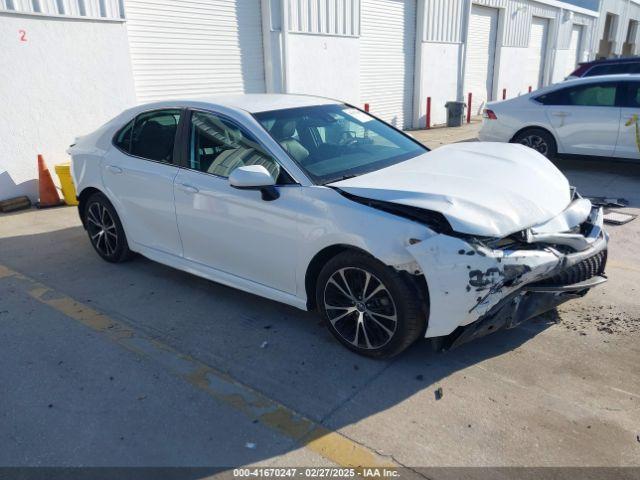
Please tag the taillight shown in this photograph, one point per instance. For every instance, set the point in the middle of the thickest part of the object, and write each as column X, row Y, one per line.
column 489, row 114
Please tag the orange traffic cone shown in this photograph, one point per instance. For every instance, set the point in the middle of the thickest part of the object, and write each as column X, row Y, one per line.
column 47, row 190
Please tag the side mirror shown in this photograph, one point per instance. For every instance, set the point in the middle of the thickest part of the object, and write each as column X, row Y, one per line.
column 254, row 177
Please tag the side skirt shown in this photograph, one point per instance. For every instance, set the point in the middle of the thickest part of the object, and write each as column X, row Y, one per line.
column 219, row 276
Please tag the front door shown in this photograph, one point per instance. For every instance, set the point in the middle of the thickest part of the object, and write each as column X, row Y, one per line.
column 230, row 230
column 628, row 145
column 585, row 118
column 138, row 175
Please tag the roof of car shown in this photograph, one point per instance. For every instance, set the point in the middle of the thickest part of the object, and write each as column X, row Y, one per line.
column 576, row 81
column 605, row 61
column 250, row 102
column 598, row 78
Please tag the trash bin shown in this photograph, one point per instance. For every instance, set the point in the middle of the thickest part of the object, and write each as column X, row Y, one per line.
column 63, row 171
column 455, row 113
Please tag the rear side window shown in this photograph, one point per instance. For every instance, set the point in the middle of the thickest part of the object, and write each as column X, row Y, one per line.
column 592, row 95
column 122, row 139
column 151, row 135
column 609, row 69
column 632, row 99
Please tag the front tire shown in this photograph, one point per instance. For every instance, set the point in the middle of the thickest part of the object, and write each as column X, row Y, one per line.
column 105, row 229
column 369, row 307
column 538, row 139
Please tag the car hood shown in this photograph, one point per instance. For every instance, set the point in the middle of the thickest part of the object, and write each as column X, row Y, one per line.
column 482, row 188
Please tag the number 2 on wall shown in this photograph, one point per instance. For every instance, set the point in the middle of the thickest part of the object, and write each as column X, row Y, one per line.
column 23, row 35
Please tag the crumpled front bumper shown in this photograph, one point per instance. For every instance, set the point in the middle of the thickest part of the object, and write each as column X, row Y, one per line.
column 475, row 290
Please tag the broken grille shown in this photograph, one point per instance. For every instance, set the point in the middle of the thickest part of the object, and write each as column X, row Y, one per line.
column 581, row 271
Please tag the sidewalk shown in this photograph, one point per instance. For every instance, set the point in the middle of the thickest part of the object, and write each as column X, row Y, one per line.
column 441, row 135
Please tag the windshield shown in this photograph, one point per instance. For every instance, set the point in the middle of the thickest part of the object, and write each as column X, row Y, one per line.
column 333, row 142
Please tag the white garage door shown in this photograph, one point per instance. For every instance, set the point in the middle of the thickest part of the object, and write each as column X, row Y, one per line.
column 481, row 51
column 574, row 49
column 189, row 48
column 534, row 74
column 386, row 59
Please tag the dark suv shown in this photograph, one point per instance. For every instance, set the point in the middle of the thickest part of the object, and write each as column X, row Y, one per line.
column 609, row 66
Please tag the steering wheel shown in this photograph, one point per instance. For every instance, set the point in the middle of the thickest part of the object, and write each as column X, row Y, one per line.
column 348, row 138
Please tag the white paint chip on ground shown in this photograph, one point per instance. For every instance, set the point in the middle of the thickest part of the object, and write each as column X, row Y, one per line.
column 617, row 218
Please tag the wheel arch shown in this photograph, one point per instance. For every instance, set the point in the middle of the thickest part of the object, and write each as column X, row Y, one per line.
column 83, row 197
column 536, row 127
column 418, row 282
column 316, row 264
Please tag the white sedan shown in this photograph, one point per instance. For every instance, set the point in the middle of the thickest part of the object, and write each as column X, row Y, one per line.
column 319, row 205
column 587, row 116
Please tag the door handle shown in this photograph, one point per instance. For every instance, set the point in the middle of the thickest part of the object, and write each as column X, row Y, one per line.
column 114, row 169
column 560, row 114
column 185, row 187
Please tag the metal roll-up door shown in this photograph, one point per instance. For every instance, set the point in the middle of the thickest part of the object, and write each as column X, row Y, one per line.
column 536, row 52
column 188, row 48
column 480, row 56
column 574, row 49
column 387, row 45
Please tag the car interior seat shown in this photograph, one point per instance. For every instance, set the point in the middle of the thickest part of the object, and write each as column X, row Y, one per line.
column 155, row 142
column 283, row 131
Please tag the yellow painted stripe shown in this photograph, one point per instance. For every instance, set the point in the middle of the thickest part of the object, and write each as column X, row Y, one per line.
column 333, row 446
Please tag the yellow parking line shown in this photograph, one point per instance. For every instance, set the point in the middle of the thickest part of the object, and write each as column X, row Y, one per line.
column 332, row 445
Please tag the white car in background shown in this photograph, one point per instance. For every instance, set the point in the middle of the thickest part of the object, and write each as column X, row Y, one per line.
column 587, row 116
column 319, row 205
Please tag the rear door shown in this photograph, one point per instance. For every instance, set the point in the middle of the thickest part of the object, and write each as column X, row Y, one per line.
column 138, row 175
column 628, row 145
column 585, row 118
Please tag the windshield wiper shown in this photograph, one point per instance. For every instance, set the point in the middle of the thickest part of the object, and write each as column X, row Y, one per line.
column 343, row 177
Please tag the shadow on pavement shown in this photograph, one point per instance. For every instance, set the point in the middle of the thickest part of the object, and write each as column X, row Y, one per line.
column 603, row 177
column 300, row 366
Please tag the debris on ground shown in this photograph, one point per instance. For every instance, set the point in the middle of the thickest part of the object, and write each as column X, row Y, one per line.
column 618, row 218
column 250, row 445
column 607, row 319
column 420, row 377
column 264, row 344
column 438, row 393
column 609, row 202
column 14, row 204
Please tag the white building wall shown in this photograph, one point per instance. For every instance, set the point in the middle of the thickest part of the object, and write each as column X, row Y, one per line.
column 112, row 9
column 624, row 10
column 441, row 51
column 67, row 78
column 185, row 48
column 327, row 66
column 318, row 50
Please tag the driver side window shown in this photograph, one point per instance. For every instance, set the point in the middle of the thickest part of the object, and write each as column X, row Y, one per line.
column 218, row 146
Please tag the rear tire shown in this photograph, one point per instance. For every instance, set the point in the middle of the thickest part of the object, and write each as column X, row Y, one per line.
column 539, row 140
column 369, row 307
column 105, row 229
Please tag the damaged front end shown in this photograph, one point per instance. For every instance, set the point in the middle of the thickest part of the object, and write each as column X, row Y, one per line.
column 478, row 286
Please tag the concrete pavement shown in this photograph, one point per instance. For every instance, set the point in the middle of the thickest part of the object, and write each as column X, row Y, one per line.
column 562, row 390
